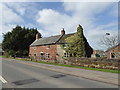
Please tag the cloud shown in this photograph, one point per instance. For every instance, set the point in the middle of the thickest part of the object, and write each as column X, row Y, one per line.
column 8, row 28
column 9, row 16
column 114, row 10
column 96, row 35
column 52, row 20
column 81, row 13
column 60, row 1
column 18, row 7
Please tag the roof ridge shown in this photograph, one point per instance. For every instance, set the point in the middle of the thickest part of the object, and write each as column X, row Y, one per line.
column 49, row 40
column 59, row 38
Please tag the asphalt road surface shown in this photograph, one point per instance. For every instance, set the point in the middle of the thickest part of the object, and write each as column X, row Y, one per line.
column 17, row 75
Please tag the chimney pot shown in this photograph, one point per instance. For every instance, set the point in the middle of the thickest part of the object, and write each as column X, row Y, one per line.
column 62, row 31
column 38, row 36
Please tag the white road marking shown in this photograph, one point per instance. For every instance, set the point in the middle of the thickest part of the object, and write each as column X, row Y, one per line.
column 2, row 79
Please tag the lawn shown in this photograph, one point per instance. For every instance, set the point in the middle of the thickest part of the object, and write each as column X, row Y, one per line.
column 88, row 68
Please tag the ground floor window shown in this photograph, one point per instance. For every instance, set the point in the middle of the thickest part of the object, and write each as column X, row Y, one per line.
column 34, row 56
column 65, row 54
column 42, row 56
column 115, row 55
column 112, row 55
column 47, row 55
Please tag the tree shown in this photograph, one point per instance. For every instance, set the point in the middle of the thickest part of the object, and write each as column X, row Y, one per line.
column 109, row 40
column 17, row 42
column 78, row 45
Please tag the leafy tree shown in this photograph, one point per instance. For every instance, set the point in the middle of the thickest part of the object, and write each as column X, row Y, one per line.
column 17, row 42
column 78, row 45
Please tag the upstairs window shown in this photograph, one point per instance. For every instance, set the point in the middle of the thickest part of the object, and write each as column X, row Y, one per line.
column 34, row 47
column 47, row 55
column 47, row 46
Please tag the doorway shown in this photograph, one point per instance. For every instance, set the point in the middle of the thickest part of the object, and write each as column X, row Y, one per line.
column 42, row 56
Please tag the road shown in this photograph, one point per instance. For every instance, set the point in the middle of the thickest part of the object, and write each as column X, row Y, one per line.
column 18, row 75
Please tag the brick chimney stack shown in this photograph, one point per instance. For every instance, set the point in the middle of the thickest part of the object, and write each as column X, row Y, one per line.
column 38, row 36
column 62, row 31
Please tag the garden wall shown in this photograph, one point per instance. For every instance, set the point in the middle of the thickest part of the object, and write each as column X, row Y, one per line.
column 93, row 62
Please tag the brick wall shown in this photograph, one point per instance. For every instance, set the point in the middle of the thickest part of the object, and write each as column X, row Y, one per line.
column 115, row 50
column 43, row 49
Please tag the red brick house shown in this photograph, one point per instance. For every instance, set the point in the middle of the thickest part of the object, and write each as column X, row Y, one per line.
column 48, row 48
column 114, row 52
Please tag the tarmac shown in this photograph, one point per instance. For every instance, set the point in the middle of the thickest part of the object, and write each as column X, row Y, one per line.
column 107, row 77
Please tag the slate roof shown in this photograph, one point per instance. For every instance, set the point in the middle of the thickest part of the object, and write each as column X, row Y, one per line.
column 62, row 39
column 58, row 39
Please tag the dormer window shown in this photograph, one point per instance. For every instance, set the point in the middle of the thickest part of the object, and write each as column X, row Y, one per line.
column 47, row 46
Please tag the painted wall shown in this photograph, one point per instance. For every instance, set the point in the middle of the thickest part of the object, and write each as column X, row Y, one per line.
column 60, row 54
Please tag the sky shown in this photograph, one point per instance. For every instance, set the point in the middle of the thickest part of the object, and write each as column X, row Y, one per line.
column 96, row 18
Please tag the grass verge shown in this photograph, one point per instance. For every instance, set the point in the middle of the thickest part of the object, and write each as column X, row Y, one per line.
column 87, row 68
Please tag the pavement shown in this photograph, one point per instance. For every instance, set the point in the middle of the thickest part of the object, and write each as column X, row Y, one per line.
column 106, row 77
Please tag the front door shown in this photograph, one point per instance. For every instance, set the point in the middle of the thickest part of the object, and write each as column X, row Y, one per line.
column 41, row 56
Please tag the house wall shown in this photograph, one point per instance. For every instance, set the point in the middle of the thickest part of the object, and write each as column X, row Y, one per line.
column 115, row 50
column 52, row 51
column 60, row 54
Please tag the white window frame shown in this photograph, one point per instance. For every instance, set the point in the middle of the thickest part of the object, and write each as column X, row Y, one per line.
column 65, row 55
column 111, row 56
column 34, row 55
column 47, row 55
column 34, row 47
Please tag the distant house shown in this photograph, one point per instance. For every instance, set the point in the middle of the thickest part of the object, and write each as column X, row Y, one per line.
column 49, row 48
column 98, row 53
column 1, row 51
column 114, row 52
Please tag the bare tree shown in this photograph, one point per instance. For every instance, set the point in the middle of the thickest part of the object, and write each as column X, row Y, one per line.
column 109, row 41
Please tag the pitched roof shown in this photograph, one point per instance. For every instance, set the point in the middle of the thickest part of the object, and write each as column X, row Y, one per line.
column 51, row 40
column 113, row 47
column 62, row 39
